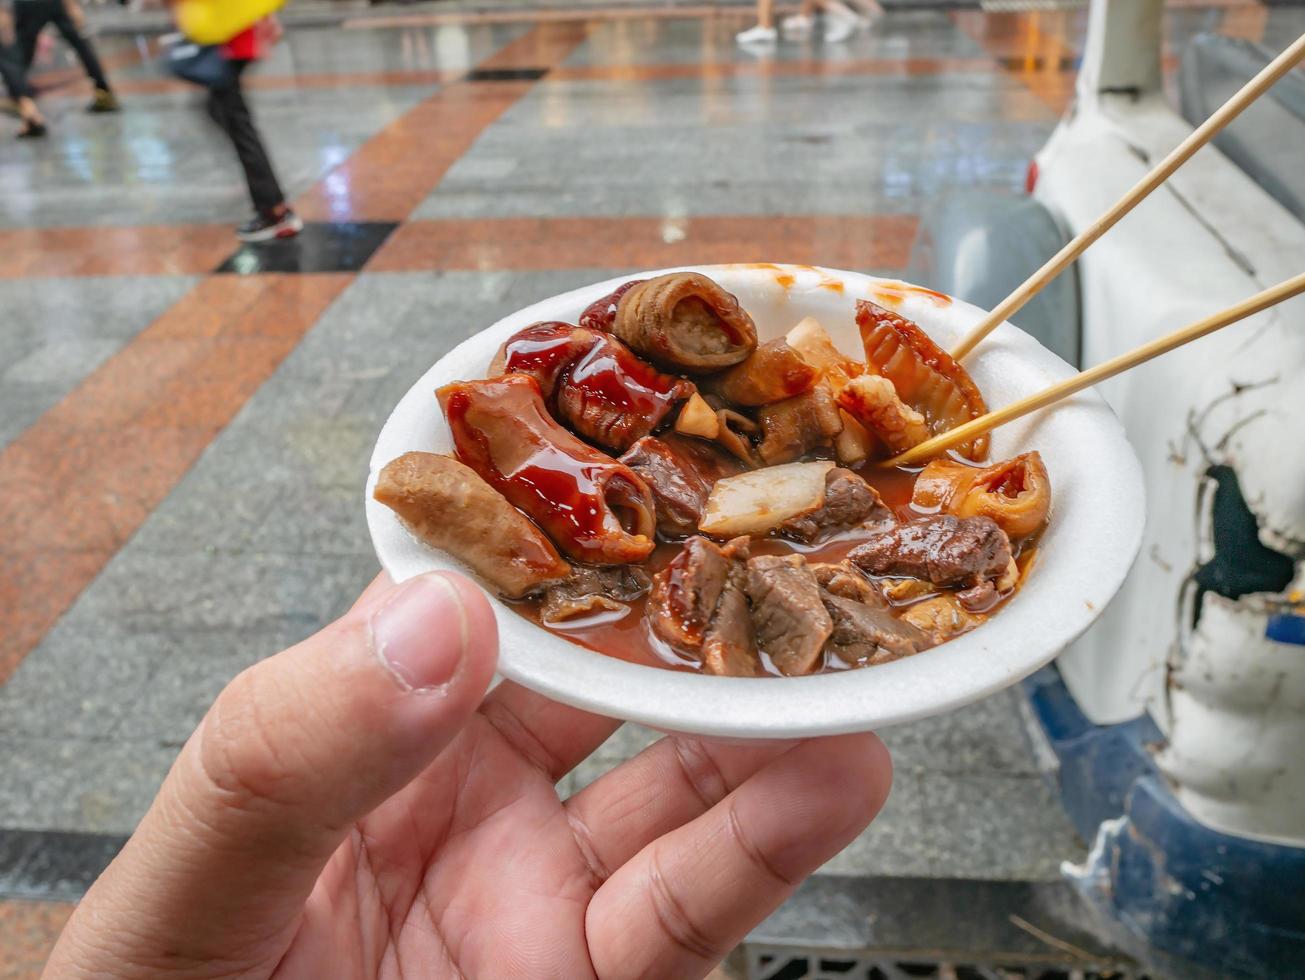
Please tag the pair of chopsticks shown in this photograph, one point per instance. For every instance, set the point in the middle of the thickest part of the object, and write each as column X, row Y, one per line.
column 1251, row 91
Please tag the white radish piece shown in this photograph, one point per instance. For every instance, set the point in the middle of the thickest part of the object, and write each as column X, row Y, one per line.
column 697, row 418
column 810, row 339
column 756, row 502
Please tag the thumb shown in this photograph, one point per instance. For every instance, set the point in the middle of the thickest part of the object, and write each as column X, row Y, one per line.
column 294, row 751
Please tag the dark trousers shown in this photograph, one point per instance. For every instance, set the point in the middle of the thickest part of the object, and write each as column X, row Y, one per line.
column 11, row 71
column 227, row 106
column 30, row 18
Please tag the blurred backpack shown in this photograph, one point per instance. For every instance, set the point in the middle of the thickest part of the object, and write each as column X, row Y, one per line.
column 208, row 22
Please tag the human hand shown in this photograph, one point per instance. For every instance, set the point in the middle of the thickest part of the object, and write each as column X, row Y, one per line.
column 271, row 30
column 357, row 807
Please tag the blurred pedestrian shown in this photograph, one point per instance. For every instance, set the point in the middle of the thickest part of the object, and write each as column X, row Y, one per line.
column 273, row 217
column 764, row 33
column 32, row 16
column 16, row 84
column 842, row 20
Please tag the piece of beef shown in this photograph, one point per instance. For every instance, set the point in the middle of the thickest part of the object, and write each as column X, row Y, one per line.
column 730, row 648
column 849, row 501
column 866, row 634
column 790, row 619
column 944, row 549
column 685, row 593
column 846, row 580
column 680, row 471
column 590, row 590
column 792, row 428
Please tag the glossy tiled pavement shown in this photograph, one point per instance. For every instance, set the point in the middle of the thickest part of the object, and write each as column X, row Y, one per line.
column 184, row 427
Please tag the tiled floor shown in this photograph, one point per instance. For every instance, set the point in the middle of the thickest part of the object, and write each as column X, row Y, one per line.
column 182, row 450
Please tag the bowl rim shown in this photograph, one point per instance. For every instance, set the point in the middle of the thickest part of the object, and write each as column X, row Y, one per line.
column 1007, row 648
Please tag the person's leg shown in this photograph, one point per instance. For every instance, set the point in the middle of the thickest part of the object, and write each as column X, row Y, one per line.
column 764, row 32
column 21, row 92
column 229, row 110
column 800, row 24
column 867, row 9
column 235, row 118
column 82, row 47
column 29, row 18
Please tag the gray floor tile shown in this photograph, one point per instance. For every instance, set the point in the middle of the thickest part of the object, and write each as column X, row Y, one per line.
column 282, row 596
column 984, row 737
column 57, row 331
column 80, row 683
column 184, row 685
column 995, row 827
column 92, row 786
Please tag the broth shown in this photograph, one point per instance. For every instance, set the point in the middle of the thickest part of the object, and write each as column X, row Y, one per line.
column 627, row 636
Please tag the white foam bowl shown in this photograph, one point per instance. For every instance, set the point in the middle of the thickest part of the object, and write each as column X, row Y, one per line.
column 1095, row 531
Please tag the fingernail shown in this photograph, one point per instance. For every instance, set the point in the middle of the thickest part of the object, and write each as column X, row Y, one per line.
column 420, row 634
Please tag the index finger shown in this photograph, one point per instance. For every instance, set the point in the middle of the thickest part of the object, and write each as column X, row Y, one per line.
column 554, row 737
column 685, row 900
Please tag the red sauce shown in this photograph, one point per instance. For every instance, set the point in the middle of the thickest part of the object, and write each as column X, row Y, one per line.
column 544, row 351
column 600, row 314
column 623, row 383
column 895, row 292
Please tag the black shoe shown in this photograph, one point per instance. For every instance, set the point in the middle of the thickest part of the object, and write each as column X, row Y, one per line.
column 31, row 130
column 104, row 101
column 267, row 227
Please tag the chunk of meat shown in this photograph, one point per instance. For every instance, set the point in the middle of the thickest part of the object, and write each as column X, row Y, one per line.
column 865, row 634
column 772, row 373
column 872, row 401
column 794, row 427
column 592, row 590
column 943, row 549
column 680, row 471
column 790, row 619
column 942, row 618
column 449, row 507
column 730, row 649
column 544, row 351
column 592, row 382
column 925, row 376
column 686, row 322
column 1016, row 492
column 849, row 502
column 601, row 313
column 612, row 398
column 596, row 510
column 847, row 581
column 733, row 432
column 685, row 593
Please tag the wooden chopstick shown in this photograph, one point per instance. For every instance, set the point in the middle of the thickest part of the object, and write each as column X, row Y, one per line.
column 1085, row 379
column 1225, row 114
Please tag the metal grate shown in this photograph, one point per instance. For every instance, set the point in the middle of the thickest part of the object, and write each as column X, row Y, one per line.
column 790, row 963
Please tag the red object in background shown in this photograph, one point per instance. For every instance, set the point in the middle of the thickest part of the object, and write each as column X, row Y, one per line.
column 245, row 46
column 1031, row 177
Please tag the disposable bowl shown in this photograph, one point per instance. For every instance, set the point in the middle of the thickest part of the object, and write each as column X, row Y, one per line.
column 1094, row 533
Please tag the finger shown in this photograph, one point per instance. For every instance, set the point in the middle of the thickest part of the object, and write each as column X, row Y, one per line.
column 554, row 737
column 686, row 899
column 293, row 752
column 665, row 786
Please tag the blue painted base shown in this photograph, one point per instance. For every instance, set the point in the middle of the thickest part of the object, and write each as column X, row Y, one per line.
column 1225, row 904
